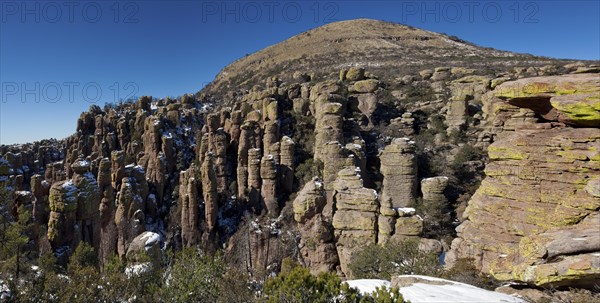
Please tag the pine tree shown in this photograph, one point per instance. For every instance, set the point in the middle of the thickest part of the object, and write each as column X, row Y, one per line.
column 14, row 238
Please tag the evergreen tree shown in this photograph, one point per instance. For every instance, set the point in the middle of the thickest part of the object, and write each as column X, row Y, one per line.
column 15, row 243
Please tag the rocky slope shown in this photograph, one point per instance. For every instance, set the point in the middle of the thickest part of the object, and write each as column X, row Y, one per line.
column 316, row 168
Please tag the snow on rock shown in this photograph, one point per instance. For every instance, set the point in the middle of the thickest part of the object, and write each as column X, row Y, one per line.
column 433, row 178
column 23, row 193
column 69, row 186
column 151, row 238
column 83, row 163
column 409, row 211
column 424, row 289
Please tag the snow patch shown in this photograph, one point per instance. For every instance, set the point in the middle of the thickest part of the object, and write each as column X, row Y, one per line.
column 451, row 292
column 5, row 292
column 83, row 163
column 318, row 184
column 69, row 187
column 443, row 177
column 23, row 193
column 137, row 269
column 407, row 210
column 442, row 291
column 151, row 239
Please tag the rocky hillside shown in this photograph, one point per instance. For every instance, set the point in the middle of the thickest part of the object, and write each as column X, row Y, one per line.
column 386, row 49
column 315, row 169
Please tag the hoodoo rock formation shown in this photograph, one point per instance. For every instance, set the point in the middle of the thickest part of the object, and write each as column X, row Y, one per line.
column 277, row 159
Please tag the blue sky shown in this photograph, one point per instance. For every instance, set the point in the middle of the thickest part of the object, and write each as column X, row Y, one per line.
column 59, row 57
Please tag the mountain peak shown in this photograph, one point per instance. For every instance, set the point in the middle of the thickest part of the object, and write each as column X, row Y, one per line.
column 385, row 48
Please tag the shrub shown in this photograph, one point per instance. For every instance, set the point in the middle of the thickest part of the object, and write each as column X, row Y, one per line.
column 437, row 218
column 299, row 285
column 465, row 154
column 307, row 170
column 198, row 277
column 464, row 271
column 384, row 295
column 83, row 256
column 393, row 258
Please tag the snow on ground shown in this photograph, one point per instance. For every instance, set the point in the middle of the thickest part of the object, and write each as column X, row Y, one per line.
column 137, row 269
column 437, row 290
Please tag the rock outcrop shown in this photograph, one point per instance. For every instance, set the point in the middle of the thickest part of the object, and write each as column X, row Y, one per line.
column 286, row 164
column 189, row 199
column 328, row 107
column 131, row 203
column 250, row 138
column 433, row 190
column 108, row 229
column 269, row 195
column 355, row 220
column 534, row 218
column 209, row 192
column 88, row 203
column 399, row 168
column 62, row 224
column 143, row 253
column 40, row 189
column 316, row 243
column 571, row 99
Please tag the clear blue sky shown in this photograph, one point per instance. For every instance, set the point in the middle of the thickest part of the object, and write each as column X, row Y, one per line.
column 68, row 55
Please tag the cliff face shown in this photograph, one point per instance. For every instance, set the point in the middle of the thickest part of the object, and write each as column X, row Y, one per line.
column 316, row 169
column 535, row 217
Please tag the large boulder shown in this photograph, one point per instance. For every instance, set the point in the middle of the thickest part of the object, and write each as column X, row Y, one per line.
column 529, row 219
